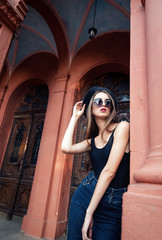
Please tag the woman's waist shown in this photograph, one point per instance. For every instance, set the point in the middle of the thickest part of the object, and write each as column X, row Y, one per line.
column 91, row 178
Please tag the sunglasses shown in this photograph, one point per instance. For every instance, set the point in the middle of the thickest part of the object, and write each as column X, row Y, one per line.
column 98, row 102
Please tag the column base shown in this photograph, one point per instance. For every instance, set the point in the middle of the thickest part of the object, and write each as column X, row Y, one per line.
column 151, row 172
column 43, row 229
column 61, row 228
column 33, row 227
column 142, row 212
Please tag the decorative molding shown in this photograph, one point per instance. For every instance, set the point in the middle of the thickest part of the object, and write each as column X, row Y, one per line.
column 12, row 17
column 143, row 2
column 62, row 77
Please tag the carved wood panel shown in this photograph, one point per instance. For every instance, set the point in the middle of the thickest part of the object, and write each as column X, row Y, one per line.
column 20, row 160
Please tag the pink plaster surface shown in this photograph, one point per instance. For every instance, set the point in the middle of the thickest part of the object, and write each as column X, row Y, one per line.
column 139, row 126
column 142, row 204
column 154, row 72
column 142, row 212
column 152, row 167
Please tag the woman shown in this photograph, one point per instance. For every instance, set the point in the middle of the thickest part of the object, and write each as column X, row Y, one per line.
column 96, row 206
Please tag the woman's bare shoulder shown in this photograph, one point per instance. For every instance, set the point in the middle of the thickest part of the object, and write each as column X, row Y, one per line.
column 123, row 126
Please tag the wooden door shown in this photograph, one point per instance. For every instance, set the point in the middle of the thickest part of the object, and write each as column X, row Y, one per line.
column 20, row 160
column 118, row 83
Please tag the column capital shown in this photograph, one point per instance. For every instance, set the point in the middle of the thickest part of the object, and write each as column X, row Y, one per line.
column 2, row 94
column 12, row 16
column 59, row 83
column 62, row 77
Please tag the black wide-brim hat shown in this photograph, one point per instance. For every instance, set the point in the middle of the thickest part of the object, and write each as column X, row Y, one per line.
column 92, row 91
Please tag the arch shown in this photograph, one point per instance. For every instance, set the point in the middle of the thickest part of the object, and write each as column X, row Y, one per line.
column 104, row 54
column 113, row 76
column 10, row 109
column 113, row 47
column 87, row 78
column 42, row 64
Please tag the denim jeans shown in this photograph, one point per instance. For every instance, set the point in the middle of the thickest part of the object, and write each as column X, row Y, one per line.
column 106, row 218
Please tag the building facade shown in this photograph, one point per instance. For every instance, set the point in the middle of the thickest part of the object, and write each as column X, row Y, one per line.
column 47, row 63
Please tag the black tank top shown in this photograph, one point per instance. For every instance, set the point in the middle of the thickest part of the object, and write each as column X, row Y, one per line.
column 99, row 157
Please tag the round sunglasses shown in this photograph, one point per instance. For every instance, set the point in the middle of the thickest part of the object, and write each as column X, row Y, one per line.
column 98, row 102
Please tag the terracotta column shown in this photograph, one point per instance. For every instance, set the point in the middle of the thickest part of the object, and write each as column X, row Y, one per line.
column 60, row 187
column 139, row 134
column 152, row 170
column 41, row 218
column 142, row 204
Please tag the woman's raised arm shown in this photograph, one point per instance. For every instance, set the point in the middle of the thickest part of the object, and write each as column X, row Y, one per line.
column 67, row 142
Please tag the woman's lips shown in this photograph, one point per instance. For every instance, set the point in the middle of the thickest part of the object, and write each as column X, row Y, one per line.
column 103, row 110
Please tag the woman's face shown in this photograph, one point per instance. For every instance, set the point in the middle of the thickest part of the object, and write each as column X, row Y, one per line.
column 101, row 106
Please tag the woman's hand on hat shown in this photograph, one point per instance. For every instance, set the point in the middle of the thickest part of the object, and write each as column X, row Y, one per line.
column 78, row 109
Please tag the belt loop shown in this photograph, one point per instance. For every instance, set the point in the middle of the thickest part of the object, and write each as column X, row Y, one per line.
column 91, row 176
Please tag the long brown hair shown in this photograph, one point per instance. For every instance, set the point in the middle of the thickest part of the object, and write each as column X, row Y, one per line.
column 92, row 128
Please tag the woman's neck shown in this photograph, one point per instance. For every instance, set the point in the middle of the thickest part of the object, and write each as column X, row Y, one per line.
column 100, row 124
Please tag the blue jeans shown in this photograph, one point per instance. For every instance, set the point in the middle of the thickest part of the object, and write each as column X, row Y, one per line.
column 106, row 218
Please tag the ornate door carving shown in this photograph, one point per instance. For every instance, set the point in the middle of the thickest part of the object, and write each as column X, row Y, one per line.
column 19, row 163
column 118, row 83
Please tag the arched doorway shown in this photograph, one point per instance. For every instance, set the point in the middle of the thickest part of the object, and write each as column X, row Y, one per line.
column 17, row 172
column 118, row 83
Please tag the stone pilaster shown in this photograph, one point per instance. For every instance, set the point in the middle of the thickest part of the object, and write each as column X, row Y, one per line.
column 42, row 217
